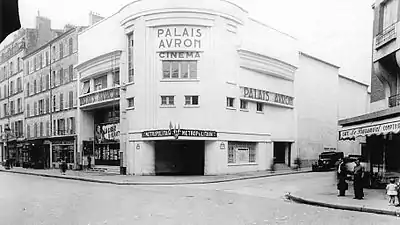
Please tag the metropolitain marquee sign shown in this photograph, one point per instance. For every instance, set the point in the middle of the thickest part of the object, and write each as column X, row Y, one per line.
column 266, row 96
column 177, row 132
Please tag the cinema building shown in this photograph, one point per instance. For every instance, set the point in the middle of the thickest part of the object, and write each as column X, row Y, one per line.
column 186, row 87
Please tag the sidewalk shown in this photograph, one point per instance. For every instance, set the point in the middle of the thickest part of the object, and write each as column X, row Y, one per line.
column 325, row 195
column 99, row 177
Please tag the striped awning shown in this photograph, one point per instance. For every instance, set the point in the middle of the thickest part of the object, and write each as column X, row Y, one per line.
column 370, row 128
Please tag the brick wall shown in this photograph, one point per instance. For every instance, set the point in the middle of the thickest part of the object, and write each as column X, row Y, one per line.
column 377, row 89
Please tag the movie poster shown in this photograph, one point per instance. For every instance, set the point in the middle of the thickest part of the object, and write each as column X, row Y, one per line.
column 106, row 133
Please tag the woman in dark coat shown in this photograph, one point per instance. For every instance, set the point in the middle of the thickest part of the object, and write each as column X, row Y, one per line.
column 342, row 185
column 358, row 181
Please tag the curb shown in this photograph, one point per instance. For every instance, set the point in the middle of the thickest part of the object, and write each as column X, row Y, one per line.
column 67, row 177
column 342, row 207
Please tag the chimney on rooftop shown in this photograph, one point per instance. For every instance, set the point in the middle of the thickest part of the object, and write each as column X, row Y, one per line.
column 94, row 18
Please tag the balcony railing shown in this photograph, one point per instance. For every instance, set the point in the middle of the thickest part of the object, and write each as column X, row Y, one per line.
column 394, row 100
column 385, row 36
column 100, row 96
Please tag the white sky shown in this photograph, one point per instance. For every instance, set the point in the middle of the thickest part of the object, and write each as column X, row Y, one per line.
column 339, row 31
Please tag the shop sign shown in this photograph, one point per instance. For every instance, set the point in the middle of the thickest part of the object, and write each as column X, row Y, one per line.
column 384, row 128
column 100, row 96
column 179, row 42
column 106, row 133
column 266, row 96
column 62, row 142
column 177, row 132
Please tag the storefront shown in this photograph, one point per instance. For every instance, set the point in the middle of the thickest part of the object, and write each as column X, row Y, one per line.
column 106, row 137
column 382, row 143
column 63, row 149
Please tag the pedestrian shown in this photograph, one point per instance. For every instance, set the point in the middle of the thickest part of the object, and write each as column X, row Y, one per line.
column 342, row 185
column 89, row 159
column 358, row 180
column 63, row 166
column 391, row 191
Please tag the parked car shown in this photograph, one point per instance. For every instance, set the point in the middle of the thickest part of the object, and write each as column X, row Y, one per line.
column 327, row 161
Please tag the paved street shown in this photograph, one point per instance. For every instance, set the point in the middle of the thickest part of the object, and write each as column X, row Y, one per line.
column 36, row 200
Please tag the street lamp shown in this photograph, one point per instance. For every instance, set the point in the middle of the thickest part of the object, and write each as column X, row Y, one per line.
column 7, row 132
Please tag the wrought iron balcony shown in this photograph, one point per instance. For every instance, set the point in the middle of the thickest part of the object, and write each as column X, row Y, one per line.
column 394, row 100
column 100, row 97
column 386, row 36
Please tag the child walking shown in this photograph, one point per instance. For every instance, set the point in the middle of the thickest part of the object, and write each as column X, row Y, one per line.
column 391, row 190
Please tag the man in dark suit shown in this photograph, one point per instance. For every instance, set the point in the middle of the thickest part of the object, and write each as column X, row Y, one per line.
column 342, row 185
column 9, row 18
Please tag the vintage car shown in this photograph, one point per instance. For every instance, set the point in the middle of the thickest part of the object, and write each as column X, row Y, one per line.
column 327, row 161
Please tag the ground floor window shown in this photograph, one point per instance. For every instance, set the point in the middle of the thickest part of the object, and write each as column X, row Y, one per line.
column 241, row 152
column 63, row 152
column 106, row 154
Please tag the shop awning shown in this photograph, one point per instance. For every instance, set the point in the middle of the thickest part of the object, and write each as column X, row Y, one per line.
column 386, row 126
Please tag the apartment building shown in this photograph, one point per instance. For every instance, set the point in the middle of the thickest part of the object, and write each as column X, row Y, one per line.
column 381, row 126
column 11, row 87
column 51, row 100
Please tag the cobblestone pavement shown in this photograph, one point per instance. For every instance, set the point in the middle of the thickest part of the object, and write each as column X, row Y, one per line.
column 35, row 200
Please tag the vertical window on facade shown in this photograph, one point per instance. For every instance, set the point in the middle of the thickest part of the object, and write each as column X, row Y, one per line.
column 61, row 101
column 5, row 109
column 11, row 68
column 47, row 58
column 131, row 102
column 47, row 128
column 19, row 85
column 390, row 11
column 54, row 103
column 53, row 53
column 18, row 64
column 61, row 126
column 19, row 105
column 231, row 154
column 167, row 100
column 72, row 125
column 100, row 83
column 34, row 87
column 41, row 60
column 12, row 106
column 191, row 100
column 35, row 108
column 230, row 102
column 27, row 89
column 46, row 86
column 5, row 91
column 41, row 106
column 41, row 129
column 70, row 46
column 54, row 127
column 260, row 107
column 71, row 99
column 61, row 76
column 28, row 110
column 116, row 78
column 71, row 72
column 41, row 83
column 86, row 87
column 244, row 104
column 34, row 63
column 131, row 71
column 53, row 78
column 35, row 130
column 179, row 69
column 11, row 87
column 28, row 130
column 61, row 50
column 47, row 105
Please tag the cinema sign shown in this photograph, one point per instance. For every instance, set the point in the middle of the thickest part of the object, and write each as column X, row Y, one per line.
column 266, row 96
column 179, row 42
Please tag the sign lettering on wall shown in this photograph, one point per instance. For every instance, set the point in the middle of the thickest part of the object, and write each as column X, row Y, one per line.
column 392, row 127
column 179, row 42
column 266, row 96
column 180, row 132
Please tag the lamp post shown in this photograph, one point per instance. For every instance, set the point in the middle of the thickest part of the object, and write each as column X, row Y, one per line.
column 7, row 131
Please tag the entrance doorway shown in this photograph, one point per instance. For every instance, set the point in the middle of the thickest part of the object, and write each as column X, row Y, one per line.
column 179, row 157
column 282, row 153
